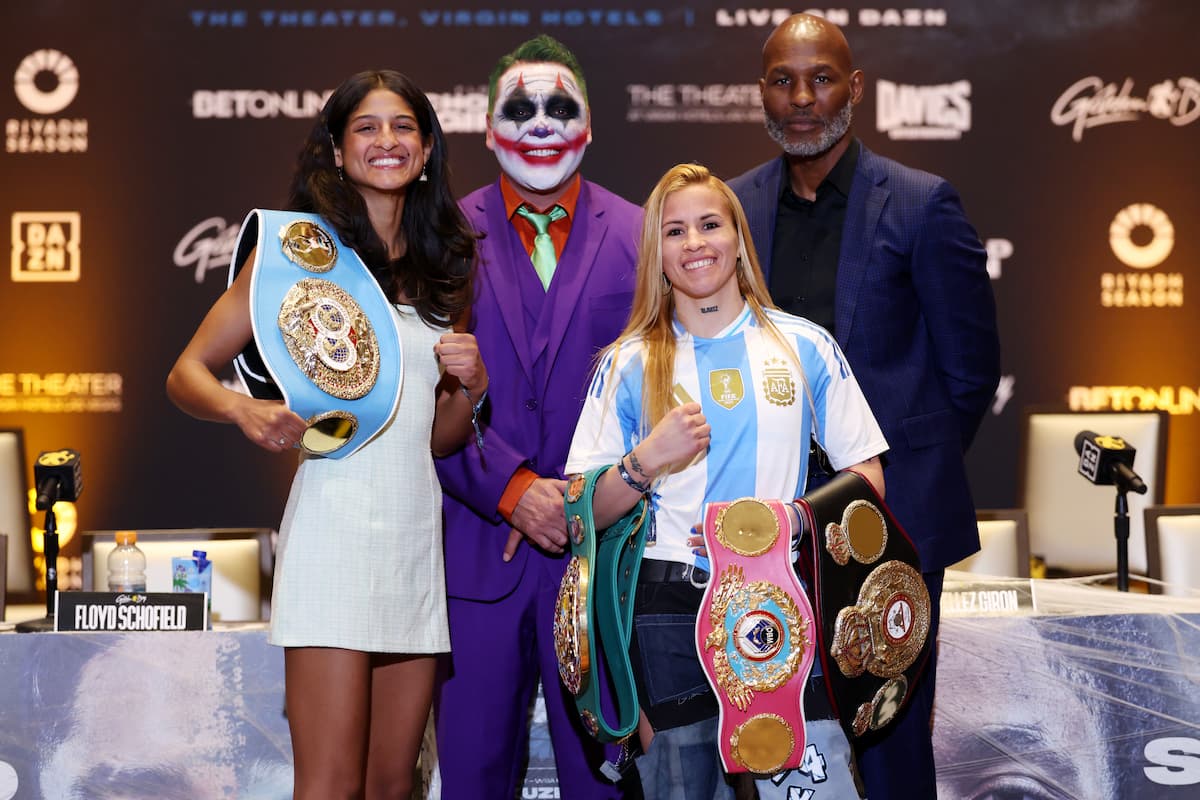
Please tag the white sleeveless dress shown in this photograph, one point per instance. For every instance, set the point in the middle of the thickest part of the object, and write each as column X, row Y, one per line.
column 359, row 563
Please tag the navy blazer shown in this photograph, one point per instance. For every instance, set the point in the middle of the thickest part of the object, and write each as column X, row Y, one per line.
column 915, row 315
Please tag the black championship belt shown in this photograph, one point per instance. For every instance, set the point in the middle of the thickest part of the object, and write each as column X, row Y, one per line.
column 872, row 607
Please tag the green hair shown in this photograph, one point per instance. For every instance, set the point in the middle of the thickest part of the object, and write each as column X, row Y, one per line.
column 540, row 48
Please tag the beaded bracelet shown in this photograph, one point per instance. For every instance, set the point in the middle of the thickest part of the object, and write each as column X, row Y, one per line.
column 476, row 405
column 633, row 483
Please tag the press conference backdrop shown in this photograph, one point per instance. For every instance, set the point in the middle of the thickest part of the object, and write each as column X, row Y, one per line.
column 138, row 134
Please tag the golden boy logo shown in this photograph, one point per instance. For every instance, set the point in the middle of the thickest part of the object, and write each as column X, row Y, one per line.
column 725, row 386
column 45, row 246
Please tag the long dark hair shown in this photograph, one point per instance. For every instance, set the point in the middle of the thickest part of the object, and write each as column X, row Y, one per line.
column 435, row 273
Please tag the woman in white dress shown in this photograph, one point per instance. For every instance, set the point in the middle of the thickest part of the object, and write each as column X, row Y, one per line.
column 359, row 602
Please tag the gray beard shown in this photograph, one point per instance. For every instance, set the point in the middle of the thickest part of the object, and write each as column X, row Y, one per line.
column 833, row 132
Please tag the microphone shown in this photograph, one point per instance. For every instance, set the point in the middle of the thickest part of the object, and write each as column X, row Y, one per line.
column 1107, row 461
column 57, row 475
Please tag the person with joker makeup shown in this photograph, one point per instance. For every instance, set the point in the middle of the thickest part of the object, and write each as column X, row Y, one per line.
column 539, row 332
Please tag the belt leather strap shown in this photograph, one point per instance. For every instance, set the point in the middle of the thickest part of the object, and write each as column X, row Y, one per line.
column 593, row 619
column 325, row 335
column 755, row 635
column 871, row 602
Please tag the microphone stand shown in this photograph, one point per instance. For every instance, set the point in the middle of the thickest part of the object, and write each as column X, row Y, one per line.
column 1121, row 529
column 50, row 542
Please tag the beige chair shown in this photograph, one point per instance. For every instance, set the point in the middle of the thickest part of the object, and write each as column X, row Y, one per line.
column 1071, row 519
column 14, row 517
column 3, row 573
column 1173, row 548
column 1004, row 544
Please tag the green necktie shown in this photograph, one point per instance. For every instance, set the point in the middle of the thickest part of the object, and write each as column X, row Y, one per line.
column 543, row 257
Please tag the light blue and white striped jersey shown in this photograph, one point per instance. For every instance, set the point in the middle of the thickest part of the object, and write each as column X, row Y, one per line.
column 753, row 398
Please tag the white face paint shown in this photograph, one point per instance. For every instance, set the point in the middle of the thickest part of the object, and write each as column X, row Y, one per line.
column 539, row 126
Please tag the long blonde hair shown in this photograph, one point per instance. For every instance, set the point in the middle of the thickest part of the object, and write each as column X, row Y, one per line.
column 654, row 305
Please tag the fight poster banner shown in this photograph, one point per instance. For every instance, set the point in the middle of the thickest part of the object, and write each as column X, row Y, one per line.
column 1078, row 707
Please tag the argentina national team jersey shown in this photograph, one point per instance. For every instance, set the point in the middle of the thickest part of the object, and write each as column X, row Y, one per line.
column 753, row 397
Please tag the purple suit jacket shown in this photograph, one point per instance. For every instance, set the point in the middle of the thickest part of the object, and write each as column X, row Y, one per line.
column 538, row 376
column 914, row 314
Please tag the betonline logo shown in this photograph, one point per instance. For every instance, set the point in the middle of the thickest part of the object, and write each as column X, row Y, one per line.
column 45, row 246
column 904, row 111
column 257, row 103
column 46, row 82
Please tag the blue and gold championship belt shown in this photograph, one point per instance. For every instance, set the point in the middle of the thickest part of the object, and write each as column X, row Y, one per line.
column 873, row 608
column 593, row 620
column 755, row 635
column 325, row 336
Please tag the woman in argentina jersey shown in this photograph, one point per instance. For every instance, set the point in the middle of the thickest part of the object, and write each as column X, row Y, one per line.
column 709, row 394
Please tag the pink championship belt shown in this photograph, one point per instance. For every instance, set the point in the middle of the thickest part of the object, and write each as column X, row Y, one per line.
column 754, row 635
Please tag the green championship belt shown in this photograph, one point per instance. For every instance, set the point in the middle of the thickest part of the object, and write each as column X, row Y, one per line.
column 594, row 616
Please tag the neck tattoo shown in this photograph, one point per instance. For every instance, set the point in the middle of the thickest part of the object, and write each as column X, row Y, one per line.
column 708, row 309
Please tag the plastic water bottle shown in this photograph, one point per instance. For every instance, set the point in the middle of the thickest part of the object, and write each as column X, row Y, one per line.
column 126, row 565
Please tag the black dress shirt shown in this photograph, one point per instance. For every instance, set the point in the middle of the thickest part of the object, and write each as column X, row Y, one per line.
column 808, row 242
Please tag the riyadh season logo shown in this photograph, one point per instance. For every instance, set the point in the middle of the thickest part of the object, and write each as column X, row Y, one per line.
column 1141, row 236
column 904, row 111
column 207, row 246
column 45, row 246
column 686, row 102
column 1090, row 103
column 842, row 17
column 45, row 83
column 463, row 110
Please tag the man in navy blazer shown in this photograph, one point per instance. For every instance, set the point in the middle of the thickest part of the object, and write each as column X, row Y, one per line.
column 505, row 530
column 884, row 256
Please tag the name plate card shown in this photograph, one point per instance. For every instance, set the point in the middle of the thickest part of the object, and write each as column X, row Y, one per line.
column 131, row 611
column 987, row 598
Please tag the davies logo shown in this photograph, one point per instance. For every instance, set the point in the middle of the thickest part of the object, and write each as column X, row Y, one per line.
column 45, row 246
column 923, row 112
column 1141, row 236
column 46, row 82
column 1090, row 103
